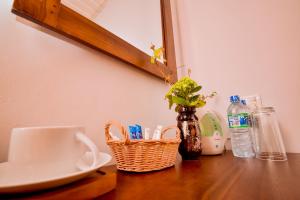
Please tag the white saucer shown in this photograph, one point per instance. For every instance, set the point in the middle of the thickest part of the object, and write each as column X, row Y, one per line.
column 20, row 178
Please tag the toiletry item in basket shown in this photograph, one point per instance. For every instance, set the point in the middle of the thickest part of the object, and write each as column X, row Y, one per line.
column 139, row 134
column 113, row 136
column 157, row 133
column 147, row 133
column 132, row 132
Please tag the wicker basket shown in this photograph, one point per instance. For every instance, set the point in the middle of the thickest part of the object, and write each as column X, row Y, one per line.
column 142, row 155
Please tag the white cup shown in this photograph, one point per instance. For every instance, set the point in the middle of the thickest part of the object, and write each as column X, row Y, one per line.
column 53, row 149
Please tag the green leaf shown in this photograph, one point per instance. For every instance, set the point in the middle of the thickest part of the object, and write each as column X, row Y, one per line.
column 179, row 100
column 177, row 108
column 170, row 103
column 200, row 103
column 194, row 98
column 196, row 89
column 168, row 96
column 192, row 104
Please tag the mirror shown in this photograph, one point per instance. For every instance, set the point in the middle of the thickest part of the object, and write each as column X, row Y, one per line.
column 56, row 16
column 138, row 31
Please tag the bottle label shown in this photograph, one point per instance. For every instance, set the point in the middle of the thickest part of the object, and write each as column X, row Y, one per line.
column 240, row 120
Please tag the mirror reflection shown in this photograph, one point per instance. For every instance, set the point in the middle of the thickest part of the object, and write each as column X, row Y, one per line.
column 141, row 28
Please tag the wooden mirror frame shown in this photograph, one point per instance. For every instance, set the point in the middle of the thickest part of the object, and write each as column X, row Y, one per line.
column 54, row 15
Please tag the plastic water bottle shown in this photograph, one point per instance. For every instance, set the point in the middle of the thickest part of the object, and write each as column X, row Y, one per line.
column 238, row 120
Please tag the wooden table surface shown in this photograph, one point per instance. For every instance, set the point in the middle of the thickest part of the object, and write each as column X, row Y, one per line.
column 214, row 177
column 211, row 177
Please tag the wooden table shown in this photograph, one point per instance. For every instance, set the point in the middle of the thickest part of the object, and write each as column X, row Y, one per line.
column 214, row 177
column 211, row 177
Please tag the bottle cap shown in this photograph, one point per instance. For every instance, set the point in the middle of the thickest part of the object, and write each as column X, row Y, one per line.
column 234, row 98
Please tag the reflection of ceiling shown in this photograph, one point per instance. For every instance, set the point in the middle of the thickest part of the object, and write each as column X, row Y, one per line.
column 87, row 8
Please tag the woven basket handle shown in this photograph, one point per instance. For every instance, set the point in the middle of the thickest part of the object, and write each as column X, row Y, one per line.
column 166, row 129
column 123, row 131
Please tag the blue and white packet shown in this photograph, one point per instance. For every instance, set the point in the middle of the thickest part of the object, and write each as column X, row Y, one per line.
column 132, row 132
column 139, row 132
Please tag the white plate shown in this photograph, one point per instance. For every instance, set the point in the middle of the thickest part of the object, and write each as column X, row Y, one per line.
column 20, row 178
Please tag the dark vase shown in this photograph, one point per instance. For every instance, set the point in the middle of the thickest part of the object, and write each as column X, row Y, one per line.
column 190, row 134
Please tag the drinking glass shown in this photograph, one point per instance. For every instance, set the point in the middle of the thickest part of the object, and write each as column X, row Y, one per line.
column 268, row 140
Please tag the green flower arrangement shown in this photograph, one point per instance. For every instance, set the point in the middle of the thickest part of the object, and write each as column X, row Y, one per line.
column 185, row 93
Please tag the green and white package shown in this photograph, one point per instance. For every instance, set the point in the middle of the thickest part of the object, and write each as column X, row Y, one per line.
column 212, row 134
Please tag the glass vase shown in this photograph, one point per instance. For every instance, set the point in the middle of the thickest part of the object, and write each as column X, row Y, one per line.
column 190, row 134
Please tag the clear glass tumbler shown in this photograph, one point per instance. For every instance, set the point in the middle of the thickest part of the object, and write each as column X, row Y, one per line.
column 268, row 140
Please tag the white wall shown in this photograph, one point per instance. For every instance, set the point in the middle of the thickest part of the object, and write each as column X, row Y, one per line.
column 246, row 47
column 47, row 80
